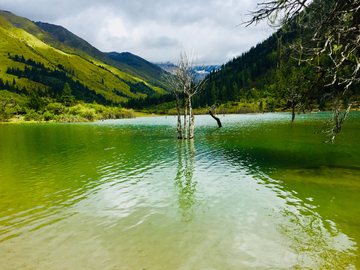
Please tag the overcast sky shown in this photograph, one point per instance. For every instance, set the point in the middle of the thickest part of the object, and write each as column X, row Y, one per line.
column 155, row 30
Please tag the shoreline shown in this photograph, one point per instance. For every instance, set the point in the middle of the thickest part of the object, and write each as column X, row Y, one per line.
column 20, row 119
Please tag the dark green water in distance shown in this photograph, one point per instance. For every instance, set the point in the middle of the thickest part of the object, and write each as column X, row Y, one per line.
column 259, row 193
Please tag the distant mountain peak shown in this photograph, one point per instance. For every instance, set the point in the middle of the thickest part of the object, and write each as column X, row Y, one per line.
column 135, row 61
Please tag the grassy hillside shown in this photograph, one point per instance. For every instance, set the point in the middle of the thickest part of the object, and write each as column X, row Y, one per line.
column 137, row 65
column 133, row 65
column 21, row 37
column 63, row 39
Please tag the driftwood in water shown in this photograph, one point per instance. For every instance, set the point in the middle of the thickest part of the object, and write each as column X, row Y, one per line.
column 217, row 119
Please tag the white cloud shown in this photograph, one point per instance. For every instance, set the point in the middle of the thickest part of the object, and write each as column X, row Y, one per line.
column 115, row 27
column 154, row 30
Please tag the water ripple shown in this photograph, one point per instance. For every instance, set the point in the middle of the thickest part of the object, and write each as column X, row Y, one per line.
column 127, row 193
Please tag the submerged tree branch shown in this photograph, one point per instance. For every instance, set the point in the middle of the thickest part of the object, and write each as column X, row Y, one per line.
column 217, row 119
column 334, row 130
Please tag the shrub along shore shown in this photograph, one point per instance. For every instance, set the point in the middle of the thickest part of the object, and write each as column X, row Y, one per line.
column 15, row 108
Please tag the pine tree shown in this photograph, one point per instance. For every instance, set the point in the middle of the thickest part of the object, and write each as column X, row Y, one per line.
column 67, row 98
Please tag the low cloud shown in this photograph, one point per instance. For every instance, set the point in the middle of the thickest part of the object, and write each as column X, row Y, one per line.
column 161, row 42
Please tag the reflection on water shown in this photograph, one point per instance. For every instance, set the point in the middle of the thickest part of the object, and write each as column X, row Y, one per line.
column 318, row 242
column 184, row 179
column 260, row 193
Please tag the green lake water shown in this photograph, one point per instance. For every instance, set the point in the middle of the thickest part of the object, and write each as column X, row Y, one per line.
column 259, row 193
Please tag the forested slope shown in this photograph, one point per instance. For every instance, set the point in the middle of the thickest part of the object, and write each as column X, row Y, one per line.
column 262, row 73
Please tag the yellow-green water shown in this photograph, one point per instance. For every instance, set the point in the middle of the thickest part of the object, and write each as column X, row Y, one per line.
column 259, row 193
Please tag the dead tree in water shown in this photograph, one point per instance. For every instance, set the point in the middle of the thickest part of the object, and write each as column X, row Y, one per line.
column 337, row 122
column 185, row 84
column 217, row 119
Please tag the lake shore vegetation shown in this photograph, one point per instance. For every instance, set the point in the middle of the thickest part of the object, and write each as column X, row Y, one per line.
column 16, row 108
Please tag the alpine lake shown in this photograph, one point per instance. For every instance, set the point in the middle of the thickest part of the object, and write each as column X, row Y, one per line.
column 258, row 193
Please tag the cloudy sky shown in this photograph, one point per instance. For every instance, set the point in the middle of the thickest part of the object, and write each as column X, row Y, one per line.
column 156, row 30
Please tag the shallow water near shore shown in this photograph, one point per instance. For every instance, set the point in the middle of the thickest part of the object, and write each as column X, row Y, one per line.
column 259, row 193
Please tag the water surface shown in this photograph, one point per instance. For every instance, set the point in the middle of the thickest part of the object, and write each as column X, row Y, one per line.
column 259, row 193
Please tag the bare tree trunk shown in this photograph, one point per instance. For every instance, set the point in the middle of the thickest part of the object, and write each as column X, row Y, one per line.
column 293, row 113
column 179, row 127
column 185, row 121
column 191, row 120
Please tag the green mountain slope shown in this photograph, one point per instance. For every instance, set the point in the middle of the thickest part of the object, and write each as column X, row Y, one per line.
column 245, row 76
column 134, row 64
column 131, row 64
column 23, row 38
column 265, row 76
column 73, row 44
